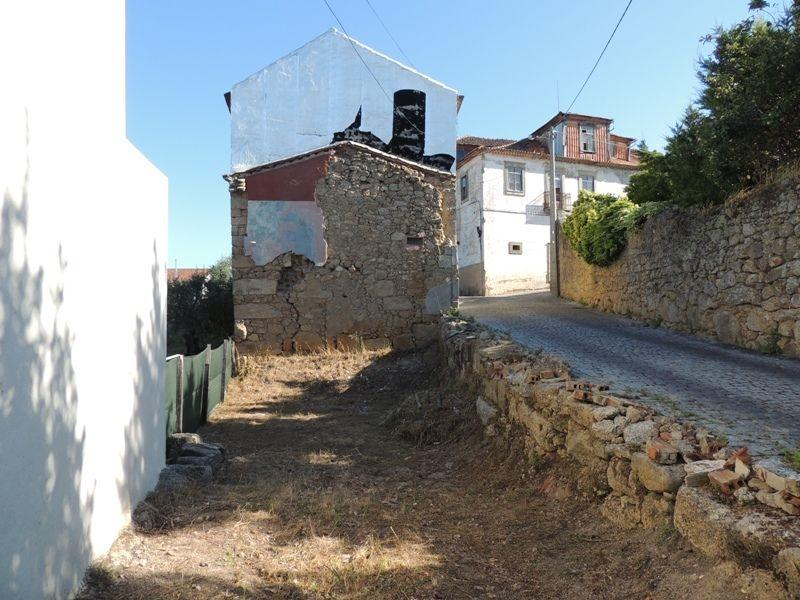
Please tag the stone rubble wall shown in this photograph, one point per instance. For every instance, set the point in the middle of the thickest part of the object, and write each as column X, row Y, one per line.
column 378, row 287
column 731, row 272
column 648, row 470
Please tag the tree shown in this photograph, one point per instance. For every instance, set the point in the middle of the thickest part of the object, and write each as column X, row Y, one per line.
column 200, row 309
column 745, row 122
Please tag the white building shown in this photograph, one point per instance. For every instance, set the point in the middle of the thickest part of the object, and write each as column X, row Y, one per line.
column 82, row 302
column 503, row 202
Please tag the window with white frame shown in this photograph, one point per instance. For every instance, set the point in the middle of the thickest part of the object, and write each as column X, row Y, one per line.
column 514, row 178
column 587, row 183
column 587, row 137
column 464, row 187
column 515, row 247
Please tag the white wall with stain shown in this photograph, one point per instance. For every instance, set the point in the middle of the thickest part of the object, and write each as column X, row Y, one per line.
column 275, row 227
column 299, row 101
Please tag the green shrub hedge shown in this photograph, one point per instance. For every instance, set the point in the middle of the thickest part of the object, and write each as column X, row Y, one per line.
column 599, row 225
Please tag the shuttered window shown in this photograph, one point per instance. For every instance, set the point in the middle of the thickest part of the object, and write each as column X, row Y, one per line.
column 587, row 137
column 464, row 188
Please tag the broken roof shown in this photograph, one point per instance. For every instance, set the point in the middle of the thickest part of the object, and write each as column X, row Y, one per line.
column 332, row 147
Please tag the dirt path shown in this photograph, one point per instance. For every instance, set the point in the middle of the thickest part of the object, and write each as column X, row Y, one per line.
column 324, row 500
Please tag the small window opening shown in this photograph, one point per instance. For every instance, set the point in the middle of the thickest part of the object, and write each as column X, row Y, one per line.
column 413, row 242
column 515, row 247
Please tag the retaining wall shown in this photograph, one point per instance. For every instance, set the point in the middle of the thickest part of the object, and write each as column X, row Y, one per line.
column 731, row 272
column 648, row 470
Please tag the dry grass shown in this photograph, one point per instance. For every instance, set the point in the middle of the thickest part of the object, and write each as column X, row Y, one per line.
column 361, row 476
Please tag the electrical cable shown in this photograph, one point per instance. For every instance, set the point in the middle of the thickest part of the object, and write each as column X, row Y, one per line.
column 597, row 62
column 389, row 33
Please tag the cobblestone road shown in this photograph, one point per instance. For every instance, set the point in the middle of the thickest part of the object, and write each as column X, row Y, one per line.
column 751, row 398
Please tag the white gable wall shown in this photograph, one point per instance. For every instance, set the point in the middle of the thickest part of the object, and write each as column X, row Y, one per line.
column 297, row 103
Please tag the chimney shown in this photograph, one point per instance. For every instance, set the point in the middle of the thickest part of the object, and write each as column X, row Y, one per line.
column 408, row 127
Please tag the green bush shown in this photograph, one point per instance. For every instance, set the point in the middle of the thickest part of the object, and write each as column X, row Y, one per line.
column 200, row 310
column 599, row 225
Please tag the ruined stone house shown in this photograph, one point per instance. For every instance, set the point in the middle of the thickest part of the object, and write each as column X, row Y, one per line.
column 352, row 240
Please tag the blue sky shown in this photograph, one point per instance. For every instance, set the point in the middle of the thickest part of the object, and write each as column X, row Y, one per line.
column 506, row 57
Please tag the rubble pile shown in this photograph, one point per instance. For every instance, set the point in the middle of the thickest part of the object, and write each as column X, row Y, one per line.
column 648, row 470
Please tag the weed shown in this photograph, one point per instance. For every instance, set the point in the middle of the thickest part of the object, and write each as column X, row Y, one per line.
column 666, row 533
column 792, row 458
column 770, row 345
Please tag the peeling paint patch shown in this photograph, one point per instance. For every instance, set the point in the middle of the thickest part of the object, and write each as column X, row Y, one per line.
column 280, row 226
column 439, row 298
column 293, row 181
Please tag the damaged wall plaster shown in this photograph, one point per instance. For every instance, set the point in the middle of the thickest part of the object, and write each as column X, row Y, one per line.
column 276, row 227
column 390, row 266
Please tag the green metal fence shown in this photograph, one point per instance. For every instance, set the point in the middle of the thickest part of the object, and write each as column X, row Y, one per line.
column 171, row 391
column 195, row 385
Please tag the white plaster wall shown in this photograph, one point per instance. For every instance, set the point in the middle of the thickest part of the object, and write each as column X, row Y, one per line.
column 298, row 102
column 82, row 301
column 468, row 215
column 505, row 218
column 505, row 221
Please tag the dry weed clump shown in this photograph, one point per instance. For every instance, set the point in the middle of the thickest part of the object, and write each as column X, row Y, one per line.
column 359, row 476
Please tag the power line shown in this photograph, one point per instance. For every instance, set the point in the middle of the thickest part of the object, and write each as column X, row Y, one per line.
column 386, row 29
column 597, row 62
column 366, row 66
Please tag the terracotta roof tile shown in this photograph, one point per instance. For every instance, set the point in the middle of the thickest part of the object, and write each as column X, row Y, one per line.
column 474, row 140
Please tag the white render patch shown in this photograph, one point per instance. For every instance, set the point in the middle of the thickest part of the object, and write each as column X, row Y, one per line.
column 297, row 103
column 275, row 227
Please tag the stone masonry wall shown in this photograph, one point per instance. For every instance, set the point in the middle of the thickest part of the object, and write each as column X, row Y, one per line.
column 390, row 269
column 731, row 272
column 647, row 470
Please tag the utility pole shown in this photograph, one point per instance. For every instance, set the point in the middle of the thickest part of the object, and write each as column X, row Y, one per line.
column 555, row 284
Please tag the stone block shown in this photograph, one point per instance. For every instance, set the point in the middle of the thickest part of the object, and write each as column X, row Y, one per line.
column 403, row 342
column 657, row 511
column 656, row 477
column 623, row 511
column 261, row 286
column 373, row 344
column 176, row 441
column 425, row 333
column 256, row 311
column 621, row 478
column 397, row 303
column 637, row 434
column 581, row 445
column 661, row 452
column 724, row 480
column 697, row 471
column 306, row 341
column 704, row 521
column 349, row 343
column 382, row 289
column 787, row 565
column 174, row 477
column 778, row 476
